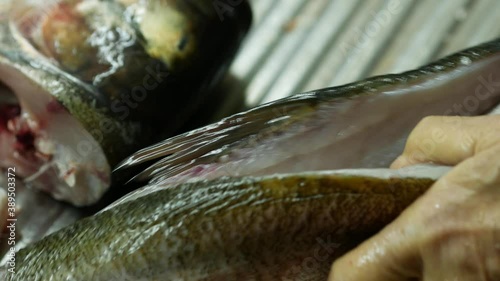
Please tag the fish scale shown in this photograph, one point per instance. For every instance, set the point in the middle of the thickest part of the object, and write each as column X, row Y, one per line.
column 221, row 228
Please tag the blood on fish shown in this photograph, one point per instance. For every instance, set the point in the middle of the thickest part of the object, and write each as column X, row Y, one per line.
column 25, row 140
column 27, row 24
column 64, row 12
column 55, row 107
column 69, row 172
column 8, row 112
column 102, row 176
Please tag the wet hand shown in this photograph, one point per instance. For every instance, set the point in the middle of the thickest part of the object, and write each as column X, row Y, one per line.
column 453, row 231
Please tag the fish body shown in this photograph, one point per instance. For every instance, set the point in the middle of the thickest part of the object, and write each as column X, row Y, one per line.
column 84, row 83
column 282, row 227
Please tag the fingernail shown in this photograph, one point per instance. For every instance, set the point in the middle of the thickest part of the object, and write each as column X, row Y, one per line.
column 400, row 162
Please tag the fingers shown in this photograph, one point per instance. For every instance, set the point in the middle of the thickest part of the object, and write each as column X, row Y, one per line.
column 461, row 256
column 479, row 174
column 466, row 198
column 385, row 257
column 449, row 140
column 430, row 240
column 414, row 246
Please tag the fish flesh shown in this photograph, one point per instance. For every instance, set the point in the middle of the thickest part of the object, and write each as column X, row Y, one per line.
column 84, row 83
column 246, row 198
column 281, row 227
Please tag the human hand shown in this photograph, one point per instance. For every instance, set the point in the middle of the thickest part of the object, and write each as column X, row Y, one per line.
column 452, row 232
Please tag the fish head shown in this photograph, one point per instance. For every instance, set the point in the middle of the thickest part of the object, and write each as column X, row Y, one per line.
column 84, row 83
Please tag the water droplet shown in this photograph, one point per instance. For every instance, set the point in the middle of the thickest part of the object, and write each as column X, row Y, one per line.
column 465, row 60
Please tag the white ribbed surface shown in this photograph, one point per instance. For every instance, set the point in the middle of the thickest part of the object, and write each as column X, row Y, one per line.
column 300, row 45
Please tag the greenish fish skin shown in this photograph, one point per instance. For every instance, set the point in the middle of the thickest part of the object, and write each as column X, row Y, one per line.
column 288, row 227
column 373, row 116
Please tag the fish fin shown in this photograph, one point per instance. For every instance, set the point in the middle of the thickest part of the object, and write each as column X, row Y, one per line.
column 209, row 143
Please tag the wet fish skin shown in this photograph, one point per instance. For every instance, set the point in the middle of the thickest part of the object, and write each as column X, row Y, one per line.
column 270, row 138
column 247, row 228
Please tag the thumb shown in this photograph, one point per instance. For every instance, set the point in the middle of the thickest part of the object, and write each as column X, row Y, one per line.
column 395, row 254
column 385, row 257
column 449, row 140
